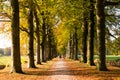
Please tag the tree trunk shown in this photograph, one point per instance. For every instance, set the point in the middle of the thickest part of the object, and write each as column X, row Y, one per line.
column 76, row 45
column 50, row 45
column 101, row 34
column 16, row 60
column 43, row 39
column 90, row 60
column 70, row 46
column 84, row 41
column 37, row 37
column 73, row 50
column 31, row 36
column 85, row 33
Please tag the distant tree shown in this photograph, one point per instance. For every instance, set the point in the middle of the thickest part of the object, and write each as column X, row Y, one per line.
column 76, row 44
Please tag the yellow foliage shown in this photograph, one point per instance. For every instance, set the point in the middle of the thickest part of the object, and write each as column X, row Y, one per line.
column 62, row 36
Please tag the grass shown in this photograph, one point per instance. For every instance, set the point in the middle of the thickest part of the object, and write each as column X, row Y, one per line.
column 110, row 57
column 5, row 60
column 113, row 57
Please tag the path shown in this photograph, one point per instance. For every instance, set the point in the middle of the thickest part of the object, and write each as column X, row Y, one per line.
column 60, row 71
column 63, row 70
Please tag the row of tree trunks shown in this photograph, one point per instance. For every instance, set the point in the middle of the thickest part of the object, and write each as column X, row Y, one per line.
column 73, row 45
column 48, row 42
column 46, row 39
column 88, row 49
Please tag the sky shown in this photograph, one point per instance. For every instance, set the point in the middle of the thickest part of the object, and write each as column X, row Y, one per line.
column 5, row 37
column 4, row 41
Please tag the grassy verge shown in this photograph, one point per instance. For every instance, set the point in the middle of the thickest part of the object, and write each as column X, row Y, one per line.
column 5, row 60
column 110, row 57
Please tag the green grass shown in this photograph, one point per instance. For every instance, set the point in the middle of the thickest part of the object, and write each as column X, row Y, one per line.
column 113, row 57
column 6, row 60
column 110, row 57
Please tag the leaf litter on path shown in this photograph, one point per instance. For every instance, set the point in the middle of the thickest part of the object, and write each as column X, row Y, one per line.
column 63, row 69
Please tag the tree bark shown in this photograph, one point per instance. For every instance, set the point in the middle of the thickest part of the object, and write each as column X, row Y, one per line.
column 31, row 36
column 91, row 30
column 73, row 46
column 15, row 54
column 84, row 41
column 70, row 46
column 43, row 38
column 37, row 37
column 49, row 42
column 101, row 34
column 76, row 45
column 85, row 33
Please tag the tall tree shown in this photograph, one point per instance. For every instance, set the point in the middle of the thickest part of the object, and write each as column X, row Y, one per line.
column 31, row 36
column 100, row 14
column 16, row 61
column 91, row 31
column 37, row 36
column 76, row 45
column 85, row 32
column 43, row 37
column 70, row 45
column 50, row 35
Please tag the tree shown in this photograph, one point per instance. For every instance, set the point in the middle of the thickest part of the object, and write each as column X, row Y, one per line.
column 31, row 36
column 91, row 31
column 16, row 63
column 37, row 36
column 43, row 37
column 85, row 33
column 100, row 14
column 76, row 44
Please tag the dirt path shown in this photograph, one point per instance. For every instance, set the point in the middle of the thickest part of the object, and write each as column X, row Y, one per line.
column 73, row 70
column 59, row 71
column 63, row 69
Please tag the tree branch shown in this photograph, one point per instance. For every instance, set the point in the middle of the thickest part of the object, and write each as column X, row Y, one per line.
column 24, row 29
column 5, row 15
column 5, row 20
